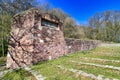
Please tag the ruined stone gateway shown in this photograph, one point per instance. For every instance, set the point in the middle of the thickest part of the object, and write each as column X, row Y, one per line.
column 37, row 36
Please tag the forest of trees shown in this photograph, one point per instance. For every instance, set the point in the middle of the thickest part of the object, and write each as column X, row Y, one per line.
column 103, row 26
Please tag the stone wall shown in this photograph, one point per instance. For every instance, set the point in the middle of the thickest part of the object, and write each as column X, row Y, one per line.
column 31, row 42
column 76, row 45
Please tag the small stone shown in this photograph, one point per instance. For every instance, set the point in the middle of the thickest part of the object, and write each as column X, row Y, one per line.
column 48, row 31
column 42, row 41
column 47, row 39
column 58, row 28
column 69, row 47
column 99, row 77
column 40, row 27
column 39, row 35
column 49, row 57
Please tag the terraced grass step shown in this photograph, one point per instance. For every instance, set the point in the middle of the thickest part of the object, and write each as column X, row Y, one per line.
column 18, row 74
column 111, row 53
column 103, row 56
column 49, row 69
column 92, row 76
column 100, row 61
column 98, row 65
column 35, row 73
column 2, row 73
column 117, row 61
column 52, row 72
column 107, row 72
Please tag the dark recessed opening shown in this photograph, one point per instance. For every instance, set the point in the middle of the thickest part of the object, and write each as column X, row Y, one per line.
column 48, row 23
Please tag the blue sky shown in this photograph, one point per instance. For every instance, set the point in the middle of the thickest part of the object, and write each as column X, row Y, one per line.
column 81, row 10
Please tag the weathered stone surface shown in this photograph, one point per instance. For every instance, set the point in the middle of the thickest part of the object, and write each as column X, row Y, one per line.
column 37, row 36
column 30, row 42
column 76, row 45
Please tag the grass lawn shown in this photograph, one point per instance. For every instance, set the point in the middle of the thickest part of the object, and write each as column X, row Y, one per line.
column 20, row 74
column 50, row 70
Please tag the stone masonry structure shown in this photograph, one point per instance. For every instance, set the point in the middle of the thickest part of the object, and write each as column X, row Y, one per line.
column 34, row 36
column 37, row 36
column 75, row 45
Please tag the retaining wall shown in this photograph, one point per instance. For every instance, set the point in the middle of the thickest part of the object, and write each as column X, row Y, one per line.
column 76, row 45
column 30, row 41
